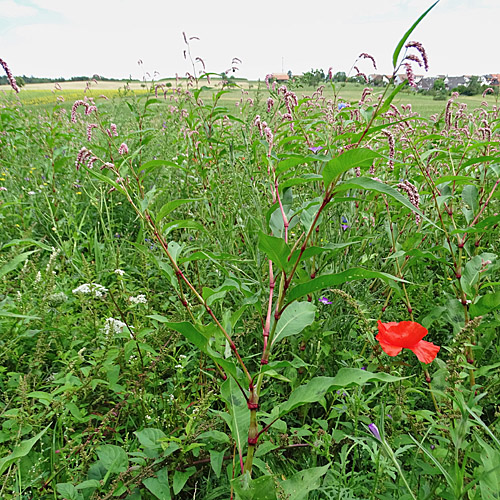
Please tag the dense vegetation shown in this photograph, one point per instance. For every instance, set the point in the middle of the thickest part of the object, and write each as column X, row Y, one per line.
column 199, row 301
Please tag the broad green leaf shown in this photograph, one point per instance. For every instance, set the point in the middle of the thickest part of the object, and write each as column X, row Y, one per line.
column 171, row 206
column 489, row 480
column 291, row 161
column 317, row 387
column 387, row 103
column 276, row 249
column 303, row 179
column 300, row 484
column 113, row 458
column 216, row 460
column 7, row 314
column 213, row 435
column 11, row 265
column 329, row 280
column 352, row 158
column 150, row 437
column 180, row 479
column 294, row 319
column 89, row 483
column 262, row 488
column 240, row 416
column 21, row 450
column 158, row 485
column 470, row 276
column 485, row 304
column 68, row 491
column 407, row 34
column 470, row 196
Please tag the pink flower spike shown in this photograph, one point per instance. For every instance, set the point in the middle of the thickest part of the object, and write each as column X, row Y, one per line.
column 10, row 77
column 123, row 149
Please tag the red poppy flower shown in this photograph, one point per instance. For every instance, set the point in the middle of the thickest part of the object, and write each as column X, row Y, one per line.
column 393, row 337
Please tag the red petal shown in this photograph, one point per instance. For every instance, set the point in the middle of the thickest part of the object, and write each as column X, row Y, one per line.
column 403, row 334
column 389, row 349
column 425, row 351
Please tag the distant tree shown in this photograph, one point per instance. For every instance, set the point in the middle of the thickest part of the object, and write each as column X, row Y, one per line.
column 20, row 81
column 439, row 85
column 289, row 73
column 313, row 78
column 340, row 76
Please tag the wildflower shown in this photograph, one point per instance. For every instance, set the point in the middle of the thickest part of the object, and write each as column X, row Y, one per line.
column 342, row 105
column 112, row 325
column 393, row 337
column 345, row 224
column 315, row 149
column 10, row 78
column 410, row 75
column 140, row 299
column 374, row 430
column 270, row 104
column 421, row 50
column 3, row 188
column 364, row 55
column 120, row 272
column 90, row 126
column 123, row 149
column 324, row 300
column 91, row 288
column 75, row 106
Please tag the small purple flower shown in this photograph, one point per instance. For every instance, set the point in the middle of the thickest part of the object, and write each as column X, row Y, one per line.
column 342, row 105
column 363, row 367
column 324, row 300
column 315, row 149
column 345, row 224
column 374, row 430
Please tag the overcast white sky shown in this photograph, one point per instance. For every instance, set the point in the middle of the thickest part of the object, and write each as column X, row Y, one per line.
column 107, row 37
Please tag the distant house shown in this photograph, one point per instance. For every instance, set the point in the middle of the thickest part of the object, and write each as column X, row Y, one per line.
column 400, row 78
column 280, row 77
column 427, row 83
column 379, row 79
column 452, row 82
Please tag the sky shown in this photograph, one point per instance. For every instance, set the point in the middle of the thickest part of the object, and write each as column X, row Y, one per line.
column 64, row 38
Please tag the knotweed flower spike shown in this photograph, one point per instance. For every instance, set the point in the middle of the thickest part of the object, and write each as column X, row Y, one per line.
column 364, row 55
column 10, row 78
column 123, row 149
column 419, row 47
column 394, row 337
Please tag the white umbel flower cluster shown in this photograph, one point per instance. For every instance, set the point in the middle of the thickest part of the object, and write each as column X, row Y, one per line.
column 113, row 326
column 140, row 299
column 91, row 288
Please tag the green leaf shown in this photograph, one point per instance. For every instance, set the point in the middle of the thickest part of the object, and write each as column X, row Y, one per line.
column 21, row 450
column 11, row 265
column 489, row 480
column 89, row 483
column 387, row 103
column 68, row 491
column 408, row 33
column 352, row 158
column 292, row 161
column 182, row 224
column 329, row 280
column 380, row 187
column 294, row 319
column 262, row 488
column 485, row 304
column 300, row 484
column 150, row 437
column 216, row 436
column 240, row 416
column 470, row 276
column 26, row 242
column 276, row 249
column 158, row 485
column 180, row 479
column 317, row 387
column 113, row 458
column 216, row 459
column 170, row 206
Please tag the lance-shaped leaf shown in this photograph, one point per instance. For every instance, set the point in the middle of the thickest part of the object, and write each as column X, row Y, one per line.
column 328, row 280
column 380, row 187
column 294, row 319
column 352, row 158
column 317, row 387
column 239, row 422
